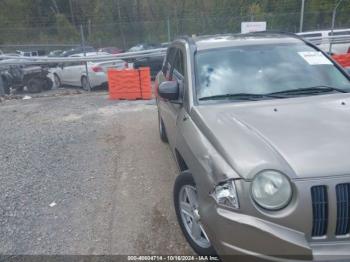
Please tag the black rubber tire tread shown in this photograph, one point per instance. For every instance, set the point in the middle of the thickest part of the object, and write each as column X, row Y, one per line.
column 49, row 84
column 59, row 81
column 84, row 78
column 35, row 85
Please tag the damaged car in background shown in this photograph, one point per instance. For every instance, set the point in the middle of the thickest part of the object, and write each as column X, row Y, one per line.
column 259, row 127
column 16, row 76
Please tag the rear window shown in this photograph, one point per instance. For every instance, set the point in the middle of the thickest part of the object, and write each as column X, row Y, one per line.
column 113, row 63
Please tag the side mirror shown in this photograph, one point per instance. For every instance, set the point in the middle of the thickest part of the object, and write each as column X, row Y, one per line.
column 169, row 90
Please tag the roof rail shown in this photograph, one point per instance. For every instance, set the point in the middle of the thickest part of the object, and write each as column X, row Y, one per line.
column 187, row 38
column 297, row 37
column 286, row 34
column 278, row 33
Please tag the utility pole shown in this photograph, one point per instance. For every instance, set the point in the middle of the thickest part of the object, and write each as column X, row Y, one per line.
column 72, row 12
column 302, row 16
column 55, row 7
column 120, row 24
column 84, row 50
column 89, row 29
column 333, row 24
column 169, row 33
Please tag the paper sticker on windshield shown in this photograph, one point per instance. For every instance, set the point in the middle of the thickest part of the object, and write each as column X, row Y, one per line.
column 315, row 58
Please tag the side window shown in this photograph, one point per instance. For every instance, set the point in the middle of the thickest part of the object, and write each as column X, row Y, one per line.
column 169, row 62
column 179, row 66
column 178, row 72
column 67, row 64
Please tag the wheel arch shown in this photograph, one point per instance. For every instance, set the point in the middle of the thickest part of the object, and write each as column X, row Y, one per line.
column 5, row 79
column 82, row 76
column 55, row 74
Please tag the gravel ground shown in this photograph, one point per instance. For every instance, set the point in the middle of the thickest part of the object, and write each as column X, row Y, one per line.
column 103, row 165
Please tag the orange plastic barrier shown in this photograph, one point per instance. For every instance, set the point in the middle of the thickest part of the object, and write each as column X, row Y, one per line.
column 343, row 60
column 145, row 83
column 129, row 84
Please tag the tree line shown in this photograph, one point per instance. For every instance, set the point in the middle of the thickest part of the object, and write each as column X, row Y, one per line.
column 124, row 23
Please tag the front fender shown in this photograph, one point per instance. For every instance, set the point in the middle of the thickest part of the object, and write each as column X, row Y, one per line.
column 206, row 165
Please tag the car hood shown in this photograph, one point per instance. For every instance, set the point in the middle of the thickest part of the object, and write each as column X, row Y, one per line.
column 302, row 137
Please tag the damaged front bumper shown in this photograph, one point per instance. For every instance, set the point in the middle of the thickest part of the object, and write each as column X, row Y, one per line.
column 240, row 236
column 274, row 236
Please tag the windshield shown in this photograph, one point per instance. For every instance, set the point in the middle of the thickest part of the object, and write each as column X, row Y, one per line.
column 264, row 69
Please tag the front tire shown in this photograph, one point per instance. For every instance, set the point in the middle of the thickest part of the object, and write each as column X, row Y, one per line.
column 186, row 208
column 57, row 81
column 85, row 84
column 6, row 86
column 49, row 84
column 35, row 85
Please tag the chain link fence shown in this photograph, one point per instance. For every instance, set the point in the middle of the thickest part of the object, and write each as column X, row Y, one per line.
column 124, row 35
column 127, row 34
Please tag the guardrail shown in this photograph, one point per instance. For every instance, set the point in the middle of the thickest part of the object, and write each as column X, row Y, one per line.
column 329, row 40
column 20, row 60
column 160, row 52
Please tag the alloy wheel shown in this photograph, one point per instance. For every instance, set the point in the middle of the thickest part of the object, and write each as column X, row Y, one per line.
column 190, row 217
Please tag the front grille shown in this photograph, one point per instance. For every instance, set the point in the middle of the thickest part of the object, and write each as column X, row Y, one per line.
column 343, row 209
column 320, row 210
column 320, row 207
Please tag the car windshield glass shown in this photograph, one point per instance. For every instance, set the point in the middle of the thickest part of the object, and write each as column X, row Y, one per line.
column 265, row 70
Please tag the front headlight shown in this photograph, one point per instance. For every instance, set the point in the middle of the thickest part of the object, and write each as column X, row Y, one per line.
column 225, row 194
column 271, row 190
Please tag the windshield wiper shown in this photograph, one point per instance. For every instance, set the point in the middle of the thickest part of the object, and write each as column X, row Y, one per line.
column 280, row 94
column 239, row 96
column 309, row 90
